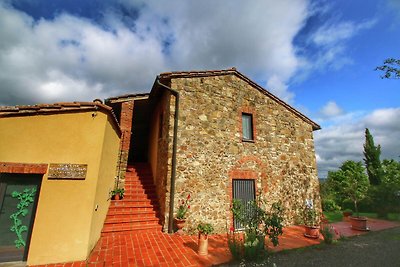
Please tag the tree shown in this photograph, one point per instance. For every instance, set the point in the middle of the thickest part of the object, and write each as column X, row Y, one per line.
column 372, row 160
column 355, row 185
column 332, row 188
column 391, row 68
column 388, row 192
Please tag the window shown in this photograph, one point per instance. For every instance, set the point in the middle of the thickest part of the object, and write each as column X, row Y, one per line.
column 247, row 126
column 244, row 191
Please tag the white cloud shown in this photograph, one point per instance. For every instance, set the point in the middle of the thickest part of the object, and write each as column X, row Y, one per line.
column 71, row 58
column 331, row 109
column 344, row 139
column 394, row 5
column 255, row 37
column 331, row 42
column 331, row 34
column 279, row 88
column 41, row 60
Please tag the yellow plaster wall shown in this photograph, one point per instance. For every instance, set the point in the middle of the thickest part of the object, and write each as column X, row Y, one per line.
column 62, row 227
column 106, row 181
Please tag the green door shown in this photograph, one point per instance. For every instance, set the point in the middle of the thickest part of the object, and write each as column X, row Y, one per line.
column 18, row 200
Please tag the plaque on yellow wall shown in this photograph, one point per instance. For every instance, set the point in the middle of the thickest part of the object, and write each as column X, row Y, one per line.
column 67, row 171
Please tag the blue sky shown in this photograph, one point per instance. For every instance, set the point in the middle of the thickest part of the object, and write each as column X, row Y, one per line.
column 319, row 56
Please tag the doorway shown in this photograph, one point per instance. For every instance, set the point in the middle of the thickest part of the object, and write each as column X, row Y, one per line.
column 244, row 191
column 140, row 131
column 18, row 201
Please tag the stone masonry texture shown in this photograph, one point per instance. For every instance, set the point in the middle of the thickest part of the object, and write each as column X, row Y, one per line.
column 211, row 151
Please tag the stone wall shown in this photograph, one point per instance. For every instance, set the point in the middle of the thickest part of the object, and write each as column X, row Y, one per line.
column 159, row 159
column 211, row 152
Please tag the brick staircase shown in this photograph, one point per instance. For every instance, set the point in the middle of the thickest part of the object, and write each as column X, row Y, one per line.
column 138, row 210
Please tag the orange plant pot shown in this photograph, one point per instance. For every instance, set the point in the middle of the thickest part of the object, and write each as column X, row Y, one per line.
column 359, row 223
column 180, row 223
column 203, row 244
column 311, row 231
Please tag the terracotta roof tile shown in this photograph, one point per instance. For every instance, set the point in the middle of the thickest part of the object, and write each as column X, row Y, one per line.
column 126, row 97
column 32, row 110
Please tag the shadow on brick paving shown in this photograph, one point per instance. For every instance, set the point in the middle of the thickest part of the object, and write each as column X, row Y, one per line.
column 380, row 248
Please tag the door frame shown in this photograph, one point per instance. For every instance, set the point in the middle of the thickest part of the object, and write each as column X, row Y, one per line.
column 27, row 168
column 38, row 179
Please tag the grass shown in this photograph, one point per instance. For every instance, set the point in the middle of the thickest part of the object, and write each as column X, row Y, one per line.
column 333, row 216
column 391, row 216
column 394, row 216
column 337, row 216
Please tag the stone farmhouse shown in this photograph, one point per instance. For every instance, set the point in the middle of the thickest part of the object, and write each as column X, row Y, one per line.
column 215, row 135
column 229, row 132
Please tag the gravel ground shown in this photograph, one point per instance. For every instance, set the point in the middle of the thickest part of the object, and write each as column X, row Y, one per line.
column 373, row 249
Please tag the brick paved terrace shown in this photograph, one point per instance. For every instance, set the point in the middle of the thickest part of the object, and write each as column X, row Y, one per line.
column 161, row 249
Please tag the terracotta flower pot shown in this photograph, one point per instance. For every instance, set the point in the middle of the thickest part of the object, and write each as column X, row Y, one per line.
column 180, row 223
column 203, row 244
column 346, row 215
column 359, row 223
column 116, row 197
column 311, row 231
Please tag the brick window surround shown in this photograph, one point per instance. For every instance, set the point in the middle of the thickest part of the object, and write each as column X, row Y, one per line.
column 12, row 167
column 239, row 171
column 249, row 111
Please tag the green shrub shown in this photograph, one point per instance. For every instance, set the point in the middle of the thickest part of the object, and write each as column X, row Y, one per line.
column 328, row 233
column 330, row 205
column 205, row 228
column 258, row 224
column 118, row 191
column 254, row 249
column 235, row 244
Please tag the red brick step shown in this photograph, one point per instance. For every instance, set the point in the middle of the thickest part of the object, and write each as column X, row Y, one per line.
column 138, row 211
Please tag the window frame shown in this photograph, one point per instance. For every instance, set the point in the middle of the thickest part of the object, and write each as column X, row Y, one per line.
column 250, row 128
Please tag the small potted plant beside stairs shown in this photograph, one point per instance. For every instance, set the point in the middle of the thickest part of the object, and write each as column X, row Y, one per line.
column 117, row 193
column 204, row 230
column 180, row 218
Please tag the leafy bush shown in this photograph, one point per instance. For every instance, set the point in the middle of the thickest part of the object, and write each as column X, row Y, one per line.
column 311, row 215
column 118, row 191
column 183, row 208
column 328, row 232
column 254, row 246
column 386, row 196
column 205, row 228
column 235, row 244
column 329, row 205
column 258, row 224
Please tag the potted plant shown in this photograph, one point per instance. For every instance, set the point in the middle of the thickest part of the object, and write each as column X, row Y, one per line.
column 204, row 230
column 355, row 186
column 181, row 212
column 311, row 220
column 117, row 193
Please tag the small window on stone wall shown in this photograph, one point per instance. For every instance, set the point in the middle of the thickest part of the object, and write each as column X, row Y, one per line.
column 247, row 127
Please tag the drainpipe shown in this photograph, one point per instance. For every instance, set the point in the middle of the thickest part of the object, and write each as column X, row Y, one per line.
column 173, row 164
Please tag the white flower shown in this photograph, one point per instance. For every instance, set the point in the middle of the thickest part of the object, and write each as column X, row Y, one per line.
column 309, row 203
